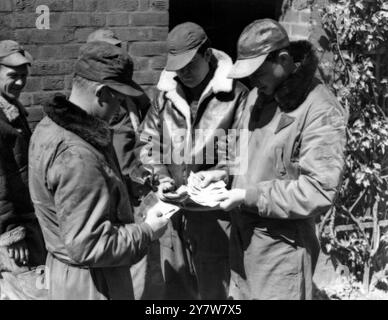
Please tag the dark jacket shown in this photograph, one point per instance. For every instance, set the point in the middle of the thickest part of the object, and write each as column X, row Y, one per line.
column 295, row 162
column 16, row 210
column 83, row 207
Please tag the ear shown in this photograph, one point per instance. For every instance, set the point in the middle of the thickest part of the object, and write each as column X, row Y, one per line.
column 99, row 90
column 284, row 58
column 208, row 54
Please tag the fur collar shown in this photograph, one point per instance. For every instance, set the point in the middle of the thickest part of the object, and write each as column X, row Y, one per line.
column 11, row 110
column 70, row 117
column 295, row 89
column 219, row 83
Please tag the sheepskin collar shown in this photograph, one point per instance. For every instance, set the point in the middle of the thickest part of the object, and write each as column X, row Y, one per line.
column 293, row 91
column 220, row 83
column 72, row 118
column 11, row 110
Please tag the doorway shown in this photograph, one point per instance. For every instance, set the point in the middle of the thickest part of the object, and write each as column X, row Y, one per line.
column 223, row 20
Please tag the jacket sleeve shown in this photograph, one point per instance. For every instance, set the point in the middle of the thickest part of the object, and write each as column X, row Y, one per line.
column 84, row 200
column 321, row 162
column 149, row 146
column 227, row 147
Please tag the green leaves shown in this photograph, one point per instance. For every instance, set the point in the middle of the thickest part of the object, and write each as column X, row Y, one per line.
column 358, row 35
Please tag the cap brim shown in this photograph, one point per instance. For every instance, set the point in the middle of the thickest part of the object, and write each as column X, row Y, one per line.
column 113, row 41
column 244, row 68
column 177, row 62
column 17, row 59
column 129, row 89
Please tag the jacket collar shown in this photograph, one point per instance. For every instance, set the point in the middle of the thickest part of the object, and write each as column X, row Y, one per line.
column 219, row 83
column 70, row 117
column 294, row 90
column 11, row 110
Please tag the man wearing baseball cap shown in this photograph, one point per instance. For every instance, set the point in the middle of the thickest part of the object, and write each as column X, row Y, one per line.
column 77, row 188
column 194, row 95
column 21, row 241
column 295, row 163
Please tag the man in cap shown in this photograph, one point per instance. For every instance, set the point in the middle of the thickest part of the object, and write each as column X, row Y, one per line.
column 21, row 241
column 195, row 96
column 295, row 163
column 125, row 125
column 77, row 188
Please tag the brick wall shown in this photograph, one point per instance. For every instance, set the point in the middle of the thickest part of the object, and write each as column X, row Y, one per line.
column 141, row 24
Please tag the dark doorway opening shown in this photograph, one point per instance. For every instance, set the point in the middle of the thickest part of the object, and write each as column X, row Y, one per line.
column 223, row 20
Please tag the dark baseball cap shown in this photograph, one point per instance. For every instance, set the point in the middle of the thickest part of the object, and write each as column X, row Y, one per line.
column 255, row 43
column 105, row 35
column 183, row 43
column 12, row 54
column 109, row 65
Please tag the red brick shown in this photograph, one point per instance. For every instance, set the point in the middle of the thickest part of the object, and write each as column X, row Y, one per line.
column 49, row 52
column 32, row 50
column 122, row 5
column 56, row 5
column 70, row 51
column 146, row 77
column 85, row 5
column 6, row 22
column 117, row 19
column 131, row 34
column 158, row 33
column 140, row 63
column 40, row 98
column 24, row 20
column 144, row 5
column 53, row 83
column 81, row 34
column 26, row 99
column 33, row 84
column 160, row 5
column 82, row 20
column 45, row 68
column 6, row 6
column 158, row 62
column 147, row 48
column 35, row 113
column 149, row 19
column 68, row 82
column 44, row 36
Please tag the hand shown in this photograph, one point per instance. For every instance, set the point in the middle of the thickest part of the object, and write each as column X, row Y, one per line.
column 157, row 222
column 210, row 176
column 231, row 199
column 19, row 252
column 165, row 185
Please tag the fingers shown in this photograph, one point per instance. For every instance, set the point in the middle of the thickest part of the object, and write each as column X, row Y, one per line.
column 11, row 252
column 206, row 181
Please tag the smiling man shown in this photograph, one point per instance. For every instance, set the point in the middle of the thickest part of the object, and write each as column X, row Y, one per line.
column 20, row 234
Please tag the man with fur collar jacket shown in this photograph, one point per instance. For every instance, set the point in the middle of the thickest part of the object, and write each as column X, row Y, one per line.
column 194, row 97
column 77, row 188
column 21, row 241
column 295, row 155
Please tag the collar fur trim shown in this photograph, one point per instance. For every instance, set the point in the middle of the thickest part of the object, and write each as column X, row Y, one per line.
column 295, row 89
column 11, row 110
column 72, row 118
